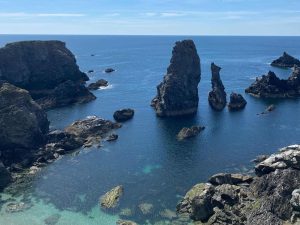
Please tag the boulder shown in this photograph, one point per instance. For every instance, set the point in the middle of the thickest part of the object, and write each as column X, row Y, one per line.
column 237, row 102
column 286, row 61
column 228, row 178
column 186, row 133
column 109, row 70
column 270, row 86
column 43, row 68
column 123, row 115
column 24, row 124
column 295, row 200
column 112, row 197
column 217, row 97
column 98, row 84
column 177, row 94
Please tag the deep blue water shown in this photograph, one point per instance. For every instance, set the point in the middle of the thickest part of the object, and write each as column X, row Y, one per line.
column 147, row 159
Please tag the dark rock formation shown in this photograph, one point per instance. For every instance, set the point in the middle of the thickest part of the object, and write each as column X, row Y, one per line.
column 123, row 115
column 270, row 86
column 270, row 198
column 109, row 70
column 185, row 132
column 237, row 102
column 112, row 197
column 91, row 71
column 5, row 177
column 47, row 69
column 98, row 84
column 112, row 137
column 23, row 124
column 177, row 95
column 217, row 97
column 286, row 61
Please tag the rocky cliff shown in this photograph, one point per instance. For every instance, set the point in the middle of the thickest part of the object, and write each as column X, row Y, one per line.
column 177, row 95
column 271, row 197
column 43, row 68
column 270, row 86
column 217, row 97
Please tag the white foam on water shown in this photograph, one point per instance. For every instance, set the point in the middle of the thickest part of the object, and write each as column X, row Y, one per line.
column 110, row 86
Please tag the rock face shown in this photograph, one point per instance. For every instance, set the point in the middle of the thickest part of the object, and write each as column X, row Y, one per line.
column 186, row 133
column 98, row 84
column 47, row 69
column 177, row 95
column 123, row 115
column 237, row 102
column 111, row 198
column 286, row 61
column 217, row 97
column 270, row 198
column 23, row 124
column 270, row 86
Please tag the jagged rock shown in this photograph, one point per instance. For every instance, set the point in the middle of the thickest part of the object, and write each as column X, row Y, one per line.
column 91, row 130
column 237, row 102
column 109, row 70
column 23, row 124
column 295, row 200
column 5, row 177
column 270, row 86
column 286, row 158
column 228, row 178
column 177, row 95
column 272, row 198
column 98, row 84
column 217, row 97
column 286, row 61
column 123, row 115
column 111, row 198
column 185, row 132
column 47, row 69
column 125, row 222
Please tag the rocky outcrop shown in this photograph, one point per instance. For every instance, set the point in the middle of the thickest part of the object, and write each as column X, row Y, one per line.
column 111, row 198
column 47, row 69
column 186, row 132
column 270, row 86
column 286, row 61
column 237, row 102
column 24, row 124
column 109, row 70
column 217, row 97
column 98, row 84
column 270, row 198
column 177, row 95
column 123, row 115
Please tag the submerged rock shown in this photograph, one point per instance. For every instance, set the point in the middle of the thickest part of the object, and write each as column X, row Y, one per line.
column 111, row 198
column 47, row 69
column 146, row 208
column 123, row 115
column 109, row 70
column 271, row 198
column 98, row 84
column 177, row 94
column 270, row 86
column 217, row 97
column 286, row 61
column 237, row 102
column 186, row 133
column 125, row 222
column 5, row 176
column 52, row 220
column 15, row 207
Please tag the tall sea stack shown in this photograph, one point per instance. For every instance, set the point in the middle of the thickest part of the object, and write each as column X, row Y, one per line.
column 177, row 94
column 217, row 97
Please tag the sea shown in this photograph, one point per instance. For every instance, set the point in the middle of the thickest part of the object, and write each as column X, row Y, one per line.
column 153, row 167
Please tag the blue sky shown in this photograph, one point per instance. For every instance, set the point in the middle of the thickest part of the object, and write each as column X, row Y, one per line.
column 163, row 17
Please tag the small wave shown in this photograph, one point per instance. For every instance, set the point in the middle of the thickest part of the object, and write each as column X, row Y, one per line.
column 110, row 86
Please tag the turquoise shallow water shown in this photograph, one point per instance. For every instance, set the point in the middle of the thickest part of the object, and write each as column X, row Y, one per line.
column 147, row 159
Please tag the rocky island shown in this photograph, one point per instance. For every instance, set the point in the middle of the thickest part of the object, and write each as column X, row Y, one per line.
column 47, row 69
column 177, row 95
column 286, row 61
column 217, row 97
column 270, row 86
